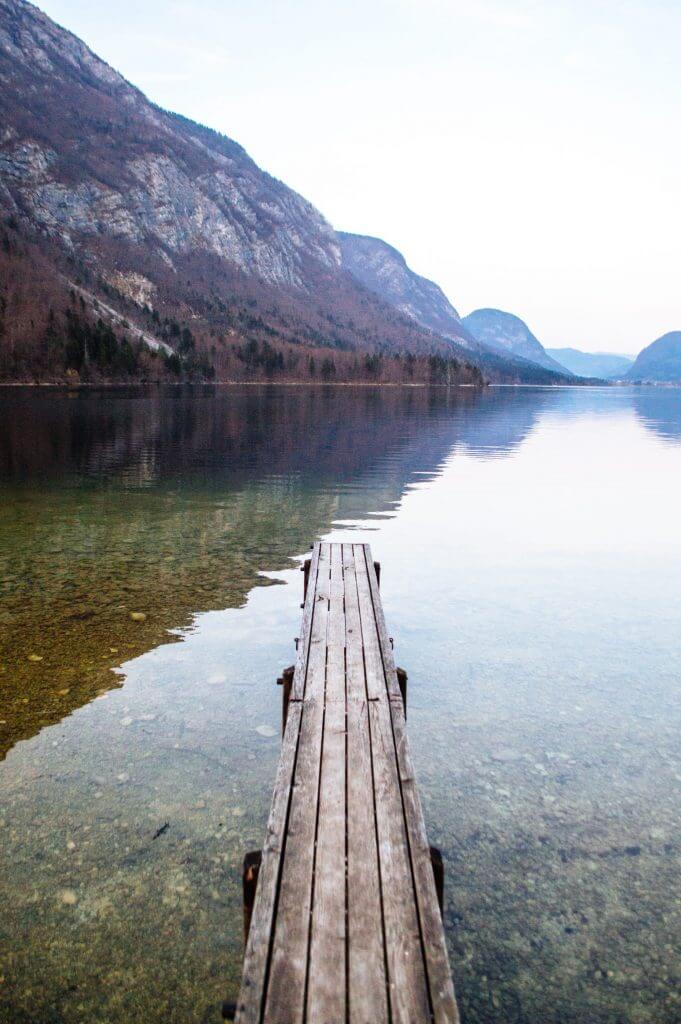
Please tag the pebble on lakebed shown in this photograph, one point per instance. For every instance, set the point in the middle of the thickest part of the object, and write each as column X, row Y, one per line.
column 266, row 730
column 138, row 616
column 68, row 897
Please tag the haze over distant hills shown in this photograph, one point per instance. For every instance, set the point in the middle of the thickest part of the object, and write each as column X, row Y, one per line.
column 659, row 362
column 384, row 270
column 591, row 364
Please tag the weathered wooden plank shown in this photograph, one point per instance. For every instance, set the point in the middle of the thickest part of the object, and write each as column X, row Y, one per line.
column 336, row 631
column 315, row 679
column 379, row 684
column 367, row 995
column 408, row 986
column 326, row 976
column 300, row 670
column 435, row 951
column 285, row 997
column 256, row 960
column 326, row 973
column 367, row 991
column 355, row 680
column 407, row 982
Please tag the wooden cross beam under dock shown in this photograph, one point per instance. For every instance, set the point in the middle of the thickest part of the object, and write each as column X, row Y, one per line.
column 346, row 924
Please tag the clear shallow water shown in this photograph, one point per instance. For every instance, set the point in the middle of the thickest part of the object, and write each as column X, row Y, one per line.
column 531, row 576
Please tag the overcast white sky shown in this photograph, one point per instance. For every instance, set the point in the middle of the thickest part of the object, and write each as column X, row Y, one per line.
column 524, row 155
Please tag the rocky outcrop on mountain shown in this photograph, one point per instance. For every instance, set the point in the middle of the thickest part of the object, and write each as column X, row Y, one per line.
column 85, row 154
column 591, row 364
column 659, row 362
column 384, row 270
column 508, row 333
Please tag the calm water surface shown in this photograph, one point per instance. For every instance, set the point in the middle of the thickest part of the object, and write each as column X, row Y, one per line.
column 149, row 555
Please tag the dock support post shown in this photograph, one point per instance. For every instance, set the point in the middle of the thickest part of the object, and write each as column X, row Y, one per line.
column 377, row 570
column 438, row 875
column 305, row 569
column 402, row 680
column 252, row 862
column 285, row 680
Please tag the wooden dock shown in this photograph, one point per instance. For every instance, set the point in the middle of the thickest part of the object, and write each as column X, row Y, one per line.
column 346, row 924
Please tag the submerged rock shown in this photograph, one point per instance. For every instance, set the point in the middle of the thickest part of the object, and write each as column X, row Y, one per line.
column 266, row 730
column 506, row 754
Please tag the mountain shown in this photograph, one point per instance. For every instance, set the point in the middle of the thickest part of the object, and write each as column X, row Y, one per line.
column 127, row 231
column 384, row 270
column 509, row 334
column 659, row 362
column 591, row 364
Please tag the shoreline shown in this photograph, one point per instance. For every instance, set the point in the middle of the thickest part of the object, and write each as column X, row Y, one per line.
column 113, row 385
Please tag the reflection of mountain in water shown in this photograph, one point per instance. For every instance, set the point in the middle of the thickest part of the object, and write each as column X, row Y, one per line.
column 170, row 502
column 659, row 409
column 217, row 436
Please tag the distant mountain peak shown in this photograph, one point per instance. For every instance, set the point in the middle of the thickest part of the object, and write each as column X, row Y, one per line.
column 659, row 362
column 506, row 332
column 592, row 364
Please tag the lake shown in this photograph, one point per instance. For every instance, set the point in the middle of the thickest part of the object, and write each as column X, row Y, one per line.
column 150, row 547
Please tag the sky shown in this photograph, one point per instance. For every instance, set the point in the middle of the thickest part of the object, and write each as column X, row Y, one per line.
column 524, row 155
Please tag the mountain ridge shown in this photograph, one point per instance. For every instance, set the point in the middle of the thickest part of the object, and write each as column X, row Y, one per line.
column 591, row 364
column 507, row 333
column 383, row 269
column 659, row 362
column 137, row 241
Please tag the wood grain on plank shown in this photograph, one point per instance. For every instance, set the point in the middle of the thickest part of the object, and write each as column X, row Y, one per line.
column 367, row 996
column 285, row 997
column 408, row 986
column 435, row 950
column 375, row 675
column 315, row 679
column 300, row 670
column 256, row 960
column 326, row 979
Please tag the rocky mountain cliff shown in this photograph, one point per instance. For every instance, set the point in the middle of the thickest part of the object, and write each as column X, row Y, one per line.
column 384, row 270
column 112, row 203
column 659, row 362
column 591, row 364
column 508, row 333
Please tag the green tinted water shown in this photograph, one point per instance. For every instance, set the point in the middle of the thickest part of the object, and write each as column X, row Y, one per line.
column 531, row 576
